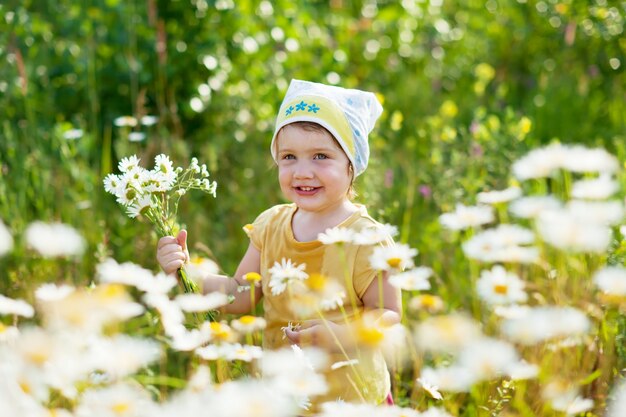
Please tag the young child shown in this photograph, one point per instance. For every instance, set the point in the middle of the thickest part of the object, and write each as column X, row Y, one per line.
column 320, row 145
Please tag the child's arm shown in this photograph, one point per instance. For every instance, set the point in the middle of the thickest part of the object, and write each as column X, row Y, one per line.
column 172, row 254
column 330, row 334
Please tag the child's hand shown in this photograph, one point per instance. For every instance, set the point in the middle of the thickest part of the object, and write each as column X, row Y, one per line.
column 172, row 252
column 315, row 332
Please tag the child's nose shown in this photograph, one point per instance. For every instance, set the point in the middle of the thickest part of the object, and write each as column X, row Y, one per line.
column 303, row 169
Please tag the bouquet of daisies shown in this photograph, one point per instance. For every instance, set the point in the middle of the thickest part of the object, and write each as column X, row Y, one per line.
column 155, row 193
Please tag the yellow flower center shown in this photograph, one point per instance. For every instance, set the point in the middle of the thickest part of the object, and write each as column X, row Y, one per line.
column 25, row 386
column 112, row 291
column 252, row 277
column 247, row 319
column 120, row 408
column 38, row 357
column 316, row 282
column 220, row 331
column 500, row 289
column 3, row 328
column 371, row 336
column 429, row 301
column 394, row 262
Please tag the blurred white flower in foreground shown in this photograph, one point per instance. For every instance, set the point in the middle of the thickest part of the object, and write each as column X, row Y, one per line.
column 497, row 286
column 467, row 216
column 544, row 162
column 336, row 235
column 452, row 378
column 532, row 207
column 9, row 306
column 412, row 280
column 611, row 280
column 392, row 258
column 251, row 398
column 564, row 397
column 435, row 412
column 499, row 196
column 54, row 239
column 6, row 240
column 122, row 399
column 374, row 235
column 449, row 333
column 617, row 403
column 599, row 188
column 198, row 268
column 579, row 227
column 502, row 244
column 540, row 324
column 201, row 302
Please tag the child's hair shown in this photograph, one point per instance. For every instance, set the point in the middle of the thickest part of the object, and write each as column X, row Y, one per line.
column 315, row 127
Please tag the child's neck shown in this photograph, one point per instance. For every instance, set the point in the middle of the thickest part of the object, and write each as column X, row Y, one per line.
column 307, row 225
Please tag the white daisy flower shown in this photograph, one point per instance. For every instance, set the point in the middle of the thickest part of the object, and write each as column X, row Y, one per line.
column 198, row 268
column 582, row 159
column 283, row 272
column 345, row 409
column 499, row 196
column 545, row 323
column 53, row 292
column 187, row 340
column 374, row 235
column 9, row 306
column 112, row 184
column 564, row 397
column 163, row 164
column 435, row 412
column 497, row 286
column 412, row 280
column 261, row 400
column 6, row 240
column 600, row 212
column 238, row 352
column 121, row 355
column 500, row 244
column 248, row 324
column 541, row 163
column 140, row 206
column 611, row 280
column 149, row 120
column 54, row 239
column 128, row 163
column 617, row 404
column 125, row 121
column 136, row 136
column 449, row 333
column 532, row 207
column 522, row 370
column 127, row 273
column 73, row 134
column 569, row 232
column 431, row 389
column 599, row 188
column 195, row 303
column 488, row 358
column 393, row 257
column 122, row 399
column 452, row 378
column 467, row 216
column 336, row 235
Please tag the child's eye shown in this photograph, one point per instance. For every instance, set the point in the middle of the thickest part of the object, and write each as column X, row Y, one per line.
column 289, row 156
column 320, row 156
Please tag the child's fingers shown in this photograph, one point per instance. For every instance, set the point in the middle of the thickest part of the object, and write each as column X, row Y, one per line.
column 166, row 240
column 310, row 323
column 293, row 336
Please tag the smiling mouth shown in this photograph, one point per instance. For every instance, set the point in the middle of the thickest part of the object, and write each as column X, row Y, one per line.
column 306, row 188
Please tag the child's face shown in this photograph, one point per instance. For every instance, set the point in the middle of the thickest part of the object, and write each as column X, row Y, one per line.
column 313, row 171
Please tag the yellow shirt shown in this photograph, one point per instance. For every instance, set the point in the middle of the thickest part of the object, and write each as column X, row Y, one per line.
column 272, row 234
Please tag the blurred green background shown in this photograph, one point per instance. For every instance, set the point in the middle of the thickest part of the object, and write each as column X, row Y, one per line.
column 468, row 86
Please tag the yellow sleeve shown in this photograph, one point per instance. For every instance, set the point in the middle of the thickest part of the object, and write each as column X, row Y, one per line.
column 257, row 230
column 364, row 274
